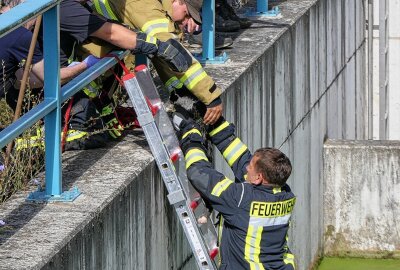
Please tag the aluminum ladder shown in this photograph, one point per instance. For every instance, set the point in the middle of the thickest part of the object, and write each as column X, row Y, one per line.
column 164, row 145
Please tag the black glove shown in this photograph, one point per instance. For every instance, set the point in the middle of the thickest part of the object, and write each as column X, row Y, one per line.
column 145, row 44
column 175, row 55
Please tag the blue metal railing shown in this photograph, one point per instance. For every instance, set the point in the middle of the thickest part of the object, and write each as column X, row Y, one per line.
column 208, row 27
column 54, row 95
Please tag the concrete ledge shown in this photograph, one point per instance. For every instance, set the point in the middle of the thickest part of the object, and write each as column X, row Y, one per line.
column 361, row 198
column 121, row 219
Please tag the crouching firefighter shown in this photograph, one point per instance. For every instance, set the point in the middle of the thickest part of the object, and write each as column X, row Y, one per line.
column 256, row 207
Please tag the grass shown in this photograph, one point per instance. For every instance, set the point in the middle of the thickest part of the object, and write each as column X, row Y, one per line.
column 24, row 164
column 358, row 264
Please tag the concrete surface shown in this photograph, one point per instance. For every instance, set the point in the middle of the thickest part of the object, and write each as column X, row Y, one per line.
column 361, row 197
column 394, row 69
column 120, row 221
column 305, row 85
column 290, row 83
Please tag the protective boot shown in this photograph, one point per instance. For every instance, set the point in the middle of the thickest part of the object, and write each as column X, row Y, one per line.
column 225, row 25
column 196, row 41
column 228, row 13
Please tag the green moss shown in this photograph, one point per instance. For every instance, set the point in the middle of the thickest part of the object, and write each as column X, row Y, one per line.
column 359, row 264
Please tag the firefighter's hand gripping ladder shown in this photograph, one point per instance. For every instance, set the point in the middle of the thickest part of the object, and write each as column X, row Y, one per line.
column 164, row 145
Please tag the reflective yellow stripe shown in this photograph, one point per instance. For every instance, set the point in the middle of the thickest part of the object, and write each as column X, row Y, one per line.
column 194, row 155
column 289, row 259
column 103, row 7
column 151, row 39
column 75, row 135
column 32, row 141
column 252, row 247
column 220, row 228
column 276, row 190
column 92, row 89
column 221, row 186
column 219, row 128
column 154, row 27
column 193, row 130
column 234, row 151
column 193, row 75
column 173, row 83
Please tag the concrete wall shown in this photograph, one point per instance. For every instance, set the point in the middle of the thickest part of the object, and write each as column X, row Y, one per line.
column 290, row 83
column 361, row 197
column 122, row 220
column 394, row 70
column 307, row 86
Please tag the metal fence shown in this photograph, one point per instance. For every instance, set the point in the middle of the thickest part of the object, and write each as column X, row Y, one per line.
column 54, row 95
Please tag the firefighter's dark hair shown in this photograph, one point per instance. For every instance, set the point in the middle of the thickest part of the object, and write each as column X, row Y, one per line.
column 274, row 165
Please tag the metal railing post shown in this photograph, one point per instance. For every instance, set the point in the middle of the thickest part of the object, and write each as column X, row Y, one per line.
column 262, row 6
column 52, row 90
column 208, row 12
column 262, row 10
column 208, row 27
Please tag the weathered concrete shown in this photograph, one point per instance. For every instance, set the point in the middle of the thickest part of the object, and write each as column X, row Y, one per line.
column 361, row 197
column 306, row 85
column 290, row 83
column 120, row 221
column 394, row 69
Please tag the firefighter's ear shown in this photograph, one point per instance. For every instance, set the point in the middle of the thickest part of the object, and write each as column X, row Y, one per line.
column 259, row 179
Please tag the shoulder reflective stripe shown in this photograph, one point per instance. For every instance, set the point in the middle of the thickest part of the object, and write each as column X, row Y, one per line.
column 235, row 149
column 194, row 155
column 221, row 186
column 276, row 190
column 103, row 8
column 193, row 75
column 154, row 27
column 173, row 83
column 289, row 259
column 75, row 135
column 193, row 130
column 219, row 128
column 241, row 196
column 252, row 247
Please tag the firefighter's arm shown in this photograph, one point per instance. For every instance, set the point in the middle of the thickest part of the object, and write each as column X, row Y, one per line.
column 171, row 51
column 213, row 185
column 235, row 152
column 66, row 73
column 222, row 193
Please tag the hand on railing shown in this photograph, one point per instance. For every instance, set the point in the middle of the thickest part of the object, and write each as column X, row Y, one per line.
column 91, row 61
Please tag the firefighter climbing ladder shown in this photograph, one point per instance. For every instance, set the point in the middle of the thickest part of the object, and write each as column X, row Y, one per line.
column 164, row 145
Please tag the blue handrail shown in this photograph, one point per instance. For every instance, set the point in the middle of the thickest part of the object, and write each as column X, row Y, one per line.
column 54, row 95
